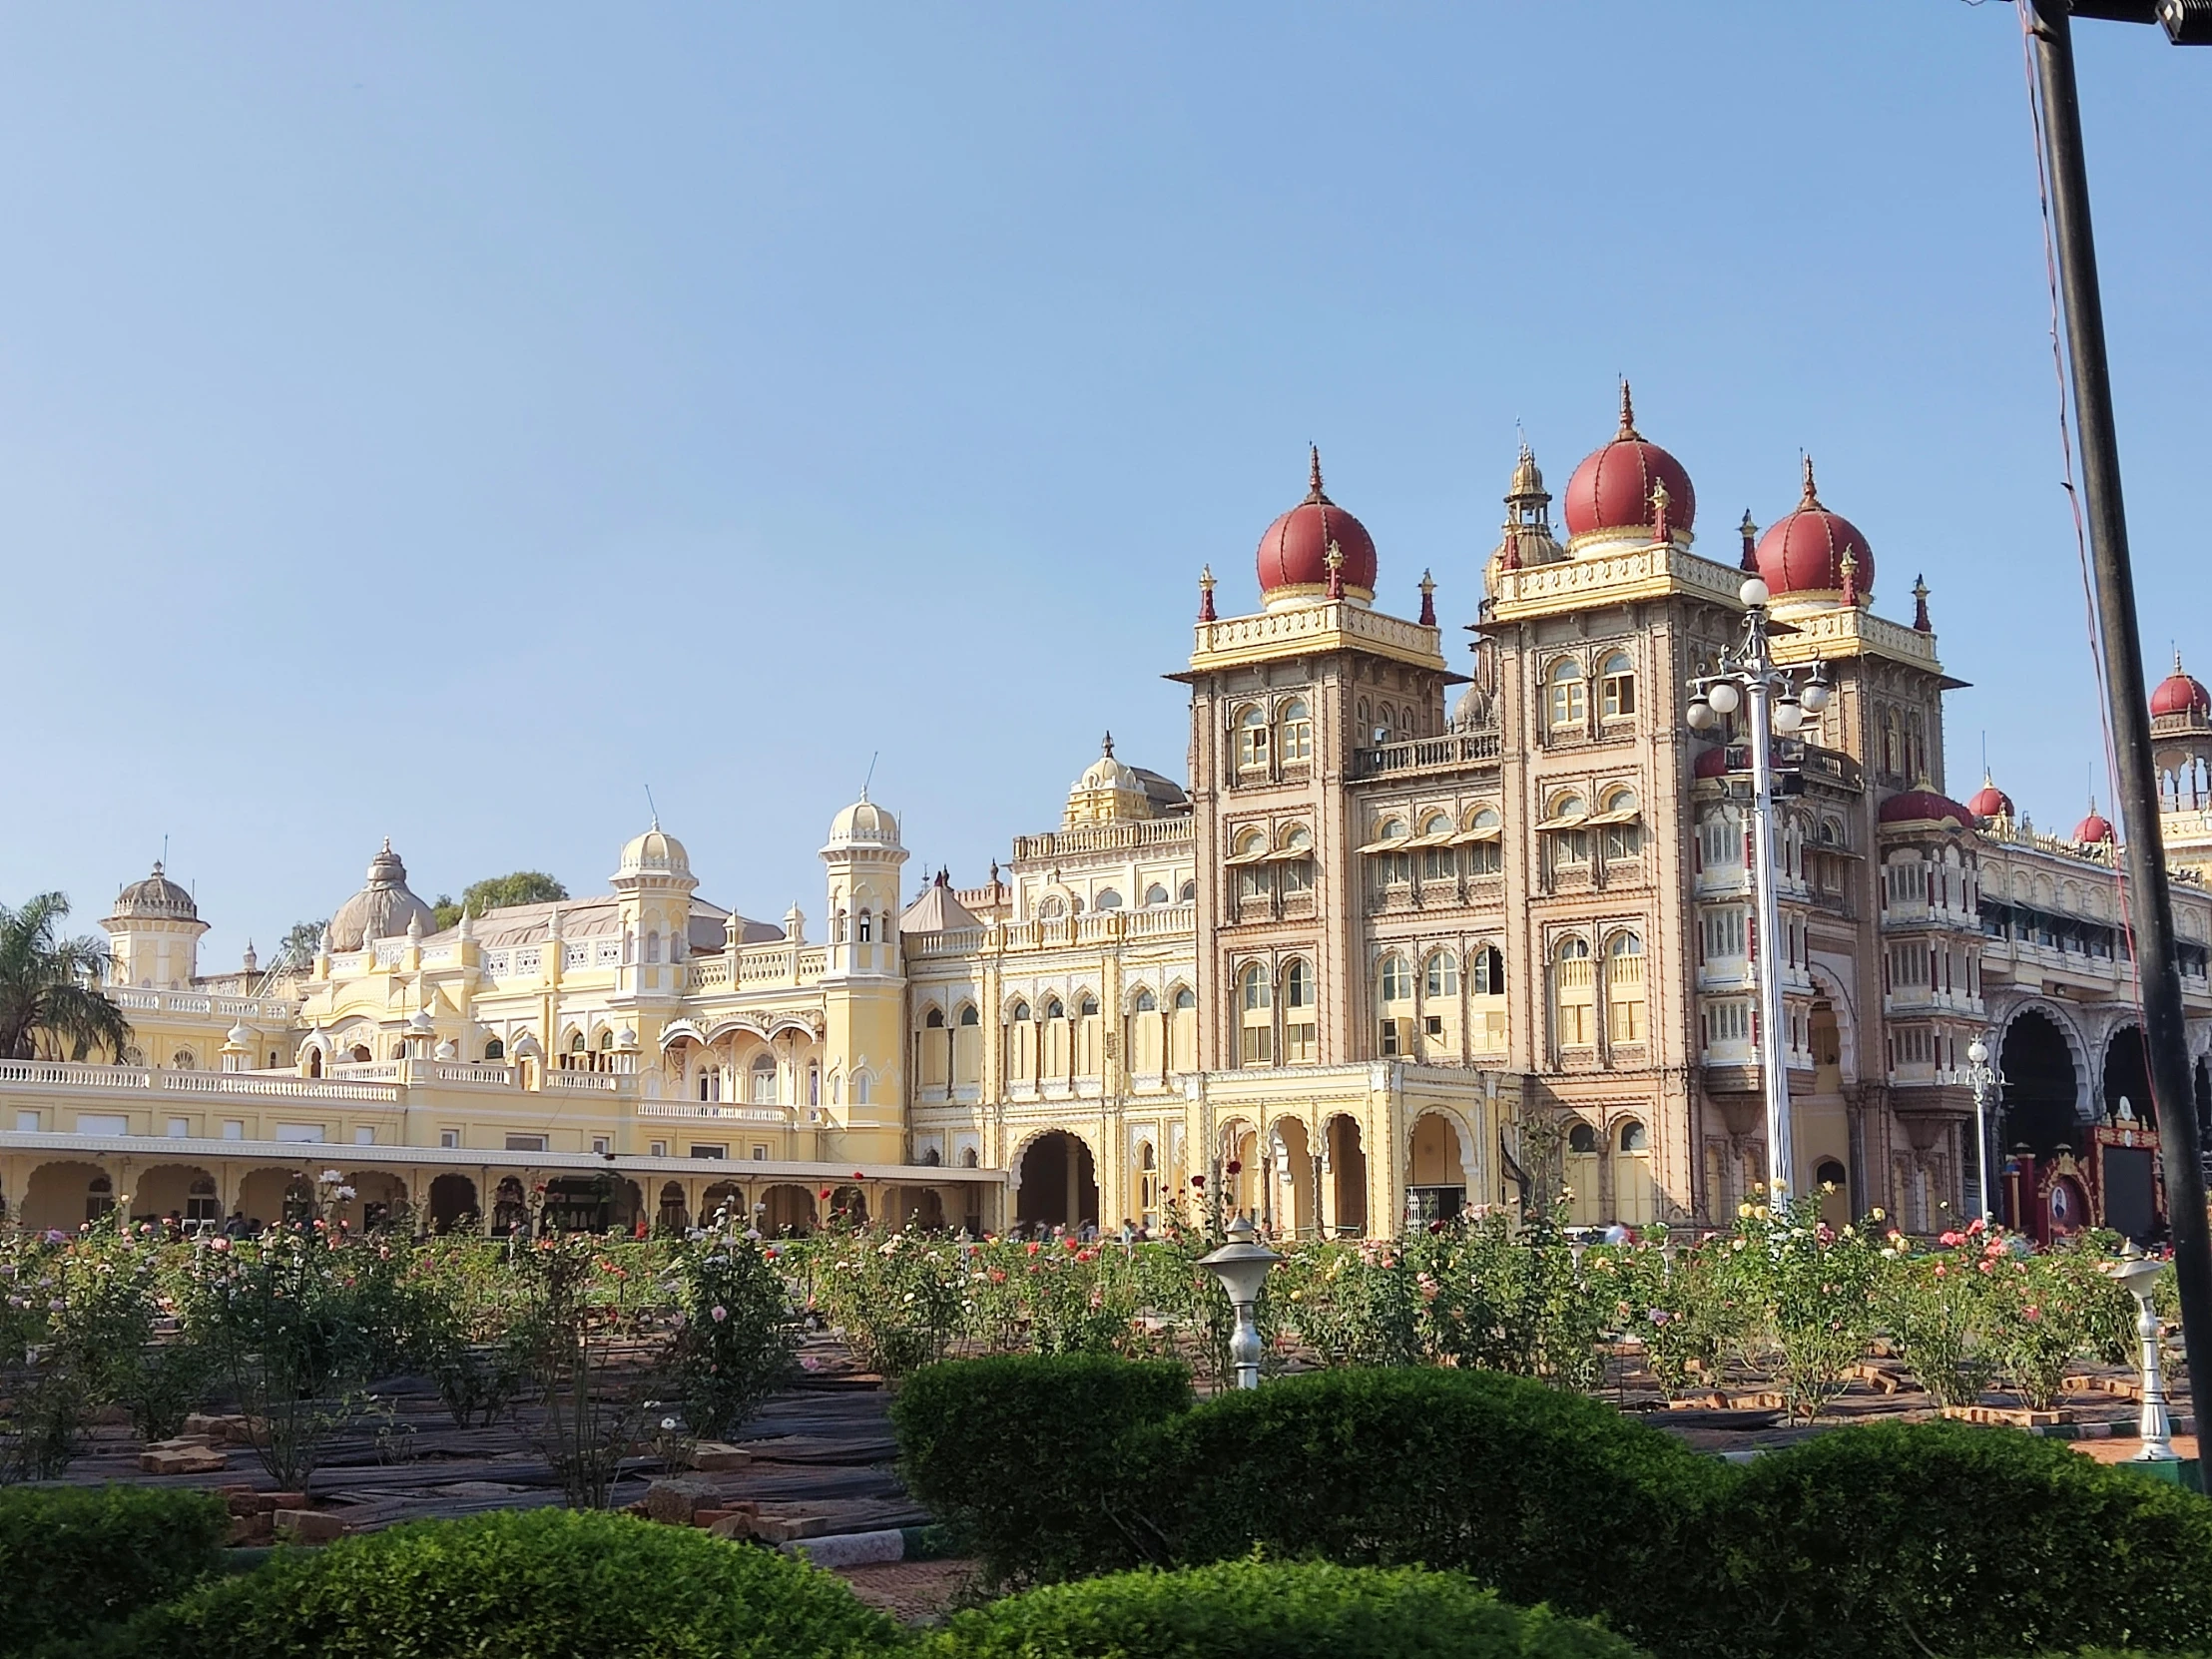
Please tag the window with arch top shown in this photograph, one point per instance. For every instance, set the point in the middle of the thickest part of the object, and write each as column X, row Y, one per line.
column 1568, row 703
column 1300, row 1027
column 1624, row 987
column 1254, row 1016
column 1020, row 1012
column 1055, row 1010
column 866, row 927
column 1107, row 899
column 1297, row 726
column 1634, row 1137
column 1252, row 740
column 1155, row 895
column 1616, row 687
column 1442, row 973
column 1395, row 980
column 1574, row 993
column 762, row 1074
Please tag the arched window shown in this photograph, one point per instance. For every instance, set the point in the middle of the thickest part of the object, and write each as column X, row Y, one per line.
column 1624, row 989
column 1301, row 1028
column 1155, row 895
column 653, row 945
column 1252, row 740
column 860, row 1088
column 1145, row 1003
column 185, row 1060
column 1020, row 1012
column 1634, row 1137
column 1487, row 971
column 1622, row 825
column 1295, row 861
column 1574, row 993
column 866, row 927
column 1052, row 907
column 1190, row 891
column 968, row 1016
column 1439, row 859
column 1087, row 1006
column 494, row 1051
column 1107, row 899
column 1298, row 732
column 1252, row 870
column 606, row 1042
column 1569, row 703
column 1054, row 1008
column 764, row 1079
column 1582, row 1139
column 1395, row 979
column 1484, row 838
column 576, row 1043
column 1441, row 973
column 1616, row 693
column 1184, row 998
column 1568, row 823
column 1256, row 1016
column 934, row 1019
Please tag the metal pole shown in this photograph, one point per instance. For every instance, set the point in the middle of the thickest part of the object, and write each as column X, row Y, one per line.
column 2150, row 902
column 1774, row 1059
column 1982, row 1144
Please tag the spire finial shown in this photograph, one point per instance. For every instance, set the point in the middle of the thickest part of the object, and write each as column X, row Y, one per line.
column 1106, row 747
column 1750, row 532
column 1920, row 605
column 1628, row 411
column 1206, row 594
column 1811, row 496
column 1315, row 493
column 1428, row 600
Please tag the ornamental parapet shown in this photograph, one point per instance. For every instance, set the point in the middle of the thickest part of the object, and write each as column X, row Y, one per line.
column 1311, row 630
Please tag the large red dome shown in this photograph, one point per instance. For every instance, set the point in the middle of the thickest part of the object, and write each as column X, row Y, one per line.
column 1804, row 551
column 1990, row 800
column 2179, row 694
column 1294, row 551
column 2095, row 830
column 1924, row 807
column 1611, row 489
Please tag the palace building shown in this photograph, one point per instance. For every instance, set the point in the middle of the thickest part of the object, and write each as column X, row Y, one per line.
column 1433, row 914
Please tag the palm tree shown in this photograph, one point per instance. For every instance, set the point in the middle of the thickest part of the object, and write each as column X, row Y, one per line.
column 50, row 987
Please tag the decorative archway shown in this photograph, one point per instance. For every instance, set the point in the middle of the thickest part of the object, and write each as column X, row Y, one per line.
column 64, row 1196
column 454, row 1204
column 1055, row 1182
column 2127, row 1075
column 2041, row 1086
column 1437, row 1168
column 1347, row 1157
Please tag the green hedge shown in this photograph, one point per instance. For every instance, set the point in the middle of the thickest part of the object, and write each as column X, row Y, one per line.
column 1542, row 1495
column 1941, row 1537
column 1884, row 1543
column 73, row 1559
column 1308, row 1610
column 549, row 1584
column 1030, row 1460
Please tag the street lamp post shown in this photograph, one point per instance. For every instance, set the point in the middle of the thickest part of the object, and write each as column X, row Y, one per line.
column 2149, row 898
column 1242, row 1266
column 1981, row 1077
column 1775, row 705
column 2136, row 1272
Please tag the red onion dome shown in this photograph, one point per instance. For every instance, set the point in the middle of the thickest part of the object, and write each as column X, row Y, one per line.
column 2179, row 694
column 1804, row 551
column 1293, row 554
column 2095, row 830
column 1990, row 800
column 1924, row 807
column 1611, row 489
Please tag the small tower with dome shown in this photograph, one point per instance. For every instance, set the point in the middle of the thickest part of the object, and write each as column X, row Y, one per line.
column 652, row 884
column 865, row 982
column 154, row 934
column 1109, row 792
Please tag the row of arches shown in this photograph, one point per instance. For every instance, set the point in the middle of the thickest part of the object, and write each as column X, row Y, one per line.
column 1265, row 739
column 1049, row 1040
column 1599, row 998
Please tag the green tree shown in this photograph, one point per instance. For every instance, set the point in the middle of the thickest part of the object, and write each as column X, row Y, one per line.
column 494, row 893
column 302, row 942
column 50, row 994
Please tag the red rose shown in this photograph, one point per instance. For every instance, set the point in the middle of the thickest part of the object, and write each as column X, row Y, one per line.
column 1234, row 1168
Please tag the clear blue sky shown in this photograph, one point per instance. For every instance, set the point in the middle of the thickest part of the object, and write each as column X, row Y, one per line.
column 443, row 421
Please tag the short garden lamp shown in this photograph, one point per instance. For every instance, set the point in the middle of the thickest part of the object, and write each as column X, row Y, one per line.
column 1242, row 1266
column 2138, row 1272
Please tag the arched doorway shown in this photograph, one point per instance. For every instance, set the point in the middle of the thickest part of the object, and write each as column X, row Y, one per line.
column 673, row 1215
column 452, row 1204
column 2040, row 1087
column 179, row 1193
column 2127, row 1075
column 1240, row 1174
column 380, row 1199
column 784, row 1209
column 921, row 1207
column 269, row 1196
column 1348, row 1164
column 849, row 1204
column 63, row 1197
column 1291, row 1178
column 1580, row 1166
column 1833, row 1181
column 510, row 1209
column 1635, row 1199
column 1059, row 1187
column 722, row 1196
column 1436, row 1181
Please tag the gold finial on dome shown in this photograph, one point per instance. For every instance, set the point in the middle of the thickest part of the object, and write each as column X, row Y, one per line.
column 1812, row 494
column 1314, row 493
column 1628, row 414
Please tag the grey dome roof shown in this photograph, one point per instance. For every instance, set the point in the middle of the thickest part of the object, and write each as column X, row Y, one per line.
column 155, row 898
column 382, row 909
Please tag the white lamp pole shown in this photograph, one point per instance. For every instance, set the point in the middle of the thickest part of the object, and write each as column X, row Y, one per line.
column 1982, row 1076
column 1775, row 705
column 1242, row 1266
column 2137, row 1272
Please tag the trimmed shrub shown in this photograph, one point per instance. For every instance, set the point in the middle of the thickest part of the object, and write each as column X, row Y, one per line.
column 1033, row 1460
column 75, row 1559
column 1306, row 1611
column 1910, row 1539
column 1541, row 1495
column 549, row 1583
